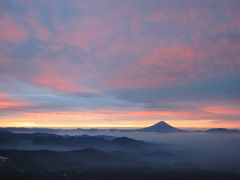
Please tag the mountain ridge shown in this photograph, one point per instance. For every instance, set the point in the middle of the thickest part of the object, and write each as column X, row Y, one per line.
column 34, row 141
column 222, row 130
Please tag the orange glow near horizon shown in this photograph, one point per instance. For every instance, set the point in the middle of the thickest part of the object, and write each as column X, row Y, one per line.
column 188, row 124
column 5, row 105
column 203, row 117
column 112, row 119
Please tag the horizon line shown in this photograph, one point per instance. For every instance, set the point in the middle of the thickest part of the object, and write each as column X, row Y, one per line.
column 102, row 128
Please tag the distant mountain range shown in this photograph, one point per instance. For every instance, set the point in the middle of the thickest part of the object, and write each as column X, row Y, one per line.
column 160, row 127
column 222, row 130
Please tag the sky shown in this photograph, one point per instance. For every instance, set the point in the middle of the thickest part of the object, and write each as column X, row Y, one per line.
column 128, row 63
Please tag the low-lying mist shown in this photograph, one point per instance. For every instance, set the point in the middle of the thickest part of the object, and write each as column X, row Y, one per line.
column 92, row 150
column 197, row 148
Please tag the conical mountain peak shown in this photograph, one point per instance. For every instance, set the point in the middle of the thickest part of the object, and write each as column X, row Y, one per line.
column 161, row 126
column 161, row 123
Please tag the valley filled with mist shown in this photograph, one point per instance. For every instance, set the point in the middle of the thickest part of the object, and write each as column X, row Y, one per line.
column 160, row 151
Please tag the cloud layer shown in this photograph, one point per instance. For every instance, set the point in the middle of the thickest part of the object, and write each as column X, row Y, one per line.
column 120, row 63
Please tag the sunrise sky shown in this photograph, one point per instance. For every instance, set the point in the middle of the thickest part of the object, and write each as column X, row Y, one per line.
column 120, row 63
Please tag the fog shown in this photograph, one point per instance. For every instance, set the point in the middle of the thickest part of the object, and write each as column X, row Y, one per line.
column 198, row 149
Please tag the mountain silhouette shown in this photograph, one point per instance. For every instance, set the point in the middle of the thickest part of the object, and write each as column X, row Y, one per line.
column 222, row 130
column 36, row 141
column 161, row 126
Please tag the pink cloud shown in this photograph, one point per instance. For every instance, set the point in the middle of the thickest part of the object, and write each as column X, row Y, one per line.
column 61, row 74
column 221, row 110
column 10, row 30
column 8, row 102
column 39, row 29
column 103, row 38
column 204, row 19
column 84, row 32
column 177, row 63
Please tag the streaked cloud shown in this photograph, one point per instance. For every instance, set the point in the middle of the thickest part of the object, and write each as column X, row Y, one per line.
column 139, row 60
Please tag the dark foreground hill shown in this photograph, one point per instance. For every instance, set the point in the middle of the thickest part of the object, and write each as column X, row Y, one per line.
column 93, row 164
column 49, row 156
